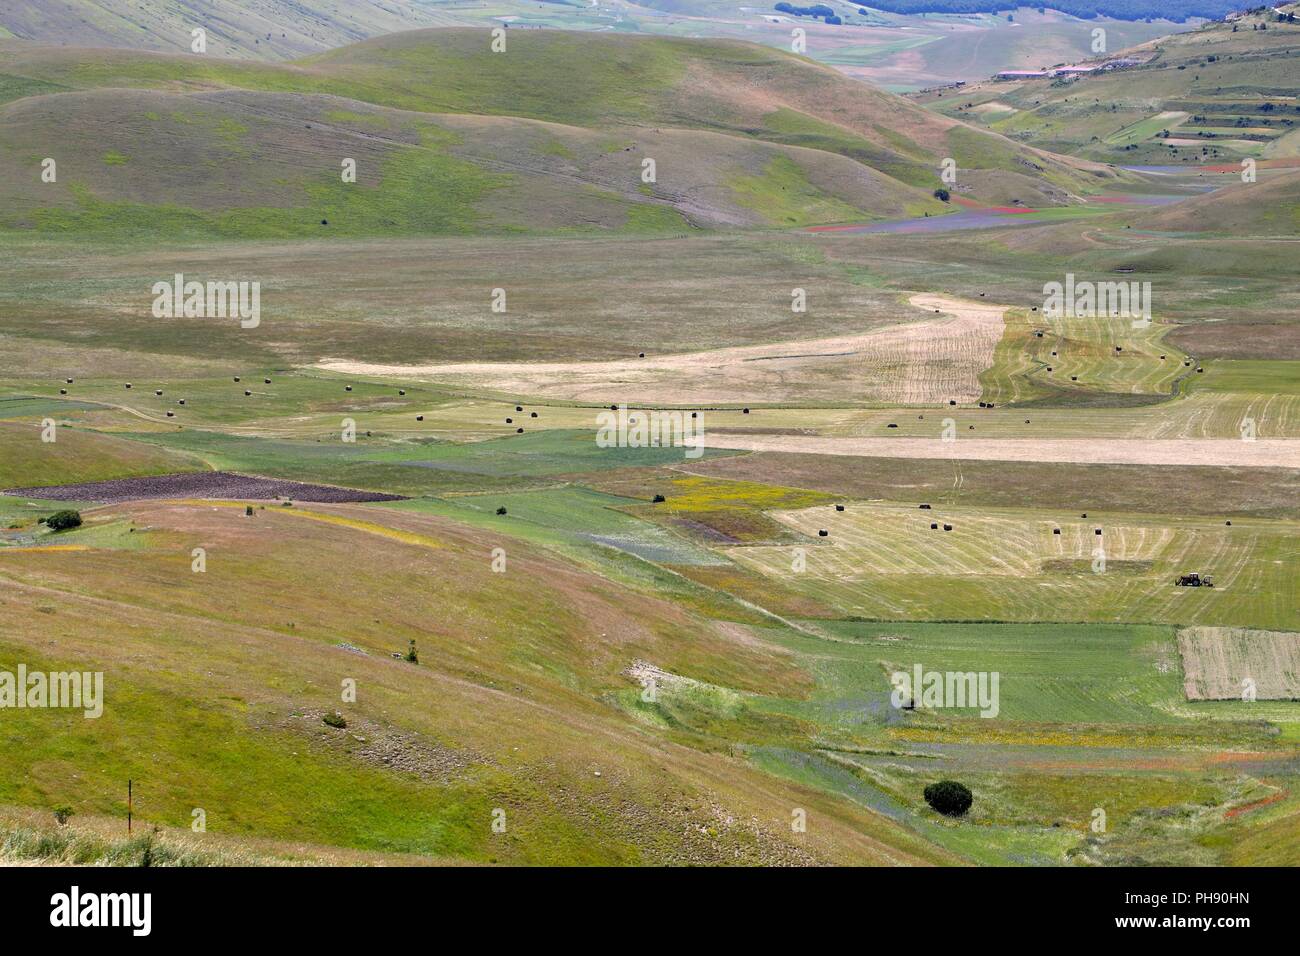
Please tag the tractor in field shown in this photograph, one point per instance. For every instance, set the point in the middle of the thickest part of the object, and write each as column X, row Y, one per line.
column 1194, row 579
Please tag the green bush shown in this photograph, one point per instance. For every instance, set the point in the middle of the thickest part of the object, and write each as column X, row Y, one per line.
column 63, row 520
column 949, row 797
column 335, row 720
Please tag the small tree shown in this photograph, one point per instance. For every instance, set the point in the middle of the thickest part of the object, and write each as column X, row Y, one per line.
column 941, row 194
column 411, row 655
column 63, row 815
column 63, row 520
column 949, row 797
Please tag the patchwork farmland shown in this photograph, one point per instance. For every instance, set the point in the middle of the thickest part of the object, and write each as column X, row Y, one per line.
column 574, row 645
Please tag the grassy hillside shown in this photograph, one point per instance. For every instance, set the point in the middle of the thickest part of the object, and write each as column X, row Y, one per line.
column 1269, row 207
column 450, row 137
column 76, row 454
column 517, row 674
column 267, row 29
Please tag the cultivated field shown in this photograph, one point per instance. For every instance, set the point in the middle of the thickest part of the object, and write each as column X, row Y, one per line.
column 888, row 562
column 1218, row 662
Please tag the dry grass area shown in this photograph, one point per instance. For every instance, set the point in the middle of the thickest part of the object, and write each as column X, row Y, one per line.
column 1277, row 453
column 925, row 362
column 1217, row 661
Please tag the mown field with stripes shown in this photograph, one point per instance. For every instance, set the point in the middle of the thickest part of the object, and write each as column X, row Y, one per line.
column 886, row 561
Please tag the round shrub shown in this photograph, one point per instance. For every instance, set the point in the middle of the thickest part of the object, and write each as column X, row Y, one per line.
column 949, row 797
column 63, row 520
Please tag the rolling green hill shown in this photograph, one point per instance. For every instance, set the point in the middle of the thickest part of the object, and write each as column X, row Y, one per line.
column 451, row 138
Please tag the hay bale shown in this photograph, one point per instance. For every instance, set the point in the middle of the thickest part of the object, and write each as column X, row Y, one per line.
column 947, row 527
column 839, row 507
column 823, row 533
